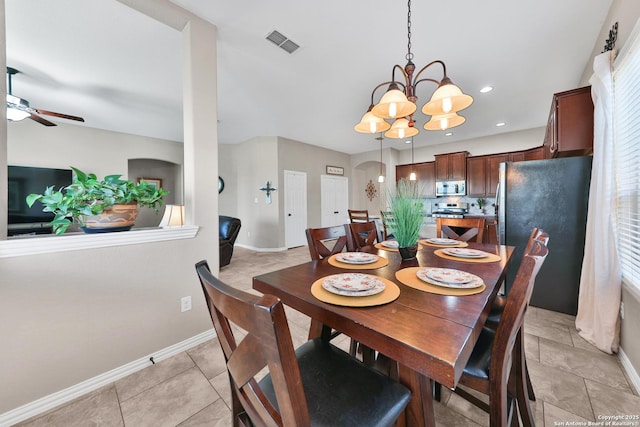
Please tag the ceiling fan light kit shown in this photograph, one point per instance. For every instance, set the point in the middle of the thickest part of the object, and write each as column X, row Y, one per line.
column 19, row 108
column 399, row 101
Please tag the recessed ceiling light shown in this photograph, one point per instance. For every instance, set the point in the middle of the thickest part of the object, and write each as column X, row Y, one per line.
column 486, row 89
column 408, row 141
column 448, row 134
column 500, row 124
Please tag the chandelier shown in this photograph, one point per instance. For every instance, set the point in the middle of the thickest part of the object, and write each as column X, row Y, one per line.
column 399, row 102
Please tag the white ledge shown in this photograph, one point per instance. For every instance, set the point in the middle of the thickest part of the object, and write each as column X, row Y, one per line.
column 22, row 246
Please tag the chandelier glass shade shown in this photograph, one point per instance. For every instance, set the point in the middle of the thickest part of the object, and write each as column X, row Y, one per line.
column 401, row 128
column 394, row 104
column 371, row 124
column 399, row 101
column 444, row 121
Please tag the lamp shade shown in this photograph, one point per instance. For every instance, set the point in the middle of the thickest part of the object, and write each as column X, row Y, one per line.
column 448, row 98
column 444, row 121
column 394, row 103
column 371, row 124
column 173, row 216
column 401, row 129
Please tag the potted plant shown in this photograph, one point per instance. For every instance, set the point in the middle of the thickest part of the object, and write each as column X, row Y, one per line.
column 481, row 203
column 110, row 204
column 408, row 216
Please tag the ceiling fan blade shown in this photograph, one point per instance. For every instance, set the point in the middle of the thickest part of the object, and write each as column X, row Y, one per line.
column 64, row 116
column 40, row 120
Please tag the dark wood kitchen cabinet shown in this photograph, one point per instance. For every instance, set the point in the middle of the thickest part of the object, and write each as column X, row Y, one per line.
column 477, row 176
column 452, row 166
column 570, row 125
column 425, row 175
column 483, row 174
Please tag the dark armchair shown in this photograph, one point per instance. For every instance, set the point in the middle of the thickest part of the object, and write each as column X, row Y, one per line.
column 229, row 228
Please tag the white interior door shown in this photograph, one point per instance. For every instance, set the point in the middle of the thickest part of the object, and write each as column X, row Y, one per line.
column 295, row 208
column 334, row 200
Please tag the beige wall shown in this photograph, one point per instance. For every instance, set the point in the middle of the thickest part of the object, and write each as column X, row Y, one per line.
column 247, row 166
column 70, row 316
column 297, row 156
column 626, row 14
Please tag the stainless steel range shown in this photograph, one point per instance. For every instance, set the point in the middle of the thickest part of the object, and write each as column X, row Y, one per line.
column 449, row 210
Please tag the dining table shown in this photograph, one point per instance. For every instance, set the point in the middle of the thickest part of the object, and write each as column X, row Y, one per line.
column 430, row 331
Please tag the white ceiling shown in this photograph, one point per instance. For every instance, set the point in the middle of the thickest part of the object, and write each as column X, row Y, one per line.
column 120, row 70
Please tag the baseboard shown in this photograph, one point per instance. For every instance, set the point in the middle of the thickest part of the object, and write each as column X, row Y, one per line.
column 261, row 249
column 58, row 398
column 631, row 372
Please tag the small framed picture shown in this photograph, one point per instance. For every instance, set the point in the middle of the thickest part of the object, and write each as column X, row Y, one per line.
column 335, row 170
column 157, row 182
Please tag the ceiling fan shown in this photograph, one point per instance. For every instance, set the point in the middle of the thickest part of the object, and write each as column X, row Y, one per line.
column 19, row 109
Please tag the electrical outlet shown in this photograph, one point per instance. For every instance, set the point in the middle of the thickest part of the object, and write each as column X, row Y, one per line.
column 248, row 234
column 622, row 310
column 185, row 304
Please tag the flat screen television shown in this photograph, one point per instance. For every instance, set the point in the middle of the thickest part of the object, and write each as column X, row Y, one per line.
column 22, row 181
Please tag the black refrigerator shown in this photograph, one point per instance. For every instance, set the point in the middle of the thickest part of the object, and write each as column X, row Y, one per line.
column 552, row 195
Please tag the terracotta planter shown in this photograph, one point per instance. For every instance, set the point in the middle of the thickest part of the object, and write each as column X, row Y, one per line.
column 408, row 252
column 116, row 218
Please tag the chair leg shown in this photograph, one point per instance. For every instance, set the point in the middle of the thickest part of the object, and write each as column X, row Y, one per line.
column 532, row 394
column 520, row 367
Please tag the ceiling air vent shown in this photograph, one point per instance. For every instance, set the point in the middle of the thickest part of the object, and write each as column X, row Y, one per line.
column 282, row 41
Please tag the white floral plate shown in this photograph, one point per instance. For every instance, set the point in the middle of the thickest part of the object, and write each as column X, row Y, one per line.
column 356, row 257
column 474, row 283
column 393, row 244
column 465, row 253
column 353, row 284
column 449, row 275
column 442, row 241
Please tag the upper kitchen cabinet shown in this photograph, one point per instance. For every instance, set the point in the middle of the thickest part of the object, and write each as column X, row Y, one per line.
column 452, row 166
column 425, row 175
column 570, row 125
column 482, row 173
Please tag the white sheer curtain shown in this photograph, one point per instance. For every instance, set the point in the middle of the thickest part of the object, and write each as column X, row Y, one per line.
column 600, row 283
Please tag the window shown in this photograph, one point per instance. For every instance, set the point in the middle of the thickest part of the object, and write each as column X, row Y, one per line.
column 627, row 154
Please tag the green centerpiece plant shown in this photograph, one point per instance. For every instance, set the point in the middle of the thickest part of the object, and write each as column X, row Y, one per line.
column 408, row 216
column 88, row 197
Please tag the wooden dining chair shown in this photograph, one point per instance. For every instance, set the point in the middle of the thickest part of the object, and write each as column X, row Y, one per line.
column 339, row 237
column 496, row 364
column 463, row 229
column 317, row 384
column 500, row 301
column 362, row 235
column 317, row 239
column 387, row 221
column 358, row 215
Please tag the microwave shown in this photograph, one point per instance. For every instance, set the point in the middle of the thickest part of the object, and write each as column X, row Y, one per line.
column 451, row 188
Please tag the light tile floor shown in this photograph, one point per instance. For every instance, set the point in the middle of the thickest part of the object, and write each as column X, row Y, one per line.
column 574, row 382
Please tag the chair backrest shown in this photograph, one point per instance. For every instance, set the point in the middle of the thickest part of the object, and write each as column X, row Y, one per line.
column 472, row 227
column 317, row 237
column 362, row 234
column 358, row 215
column 267, row 343
column 387, row 222
column 512, row 317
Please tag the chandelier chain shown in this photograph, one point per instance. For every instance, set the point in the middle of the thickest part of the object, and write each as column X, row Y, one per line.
column 409, row 55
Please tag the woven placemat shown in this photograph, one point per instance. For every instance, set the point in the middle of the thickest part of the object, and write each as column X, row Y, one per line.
column 391, row 293
column 381, row 262
column 381, row 246
column 489, row 258
column 458, row 245
column 407, row 276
